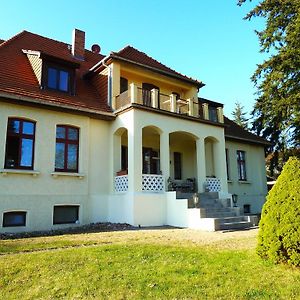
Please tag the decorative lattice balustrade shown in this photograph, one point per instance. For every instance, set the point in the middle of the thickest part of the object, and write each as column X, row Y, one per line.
column 213, row 184
column 121, row 183
column 153, row 183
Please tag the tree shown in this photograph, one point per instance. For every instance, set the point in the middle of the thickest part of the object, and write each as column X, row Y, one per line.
column 279, row 228
column 276, row 112
column 239, row 116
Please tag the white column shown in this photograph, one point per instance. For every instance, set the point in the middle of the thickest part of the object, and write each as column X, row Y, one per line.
column 134, row 158
column 173, row 102
column 165, row 156
column 154, row 98
column 220, row 164
column 220, row 114
column 205, row 111
column 133, row 93
column 191, row 107
column 201, row 166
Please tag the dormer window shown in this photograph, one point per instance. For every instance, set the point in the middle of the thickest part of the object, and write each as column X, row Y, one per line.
column 58, row 78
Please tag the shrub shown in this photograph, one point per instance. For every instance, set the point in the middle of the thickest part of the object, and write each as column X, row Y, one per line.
column 279, row 228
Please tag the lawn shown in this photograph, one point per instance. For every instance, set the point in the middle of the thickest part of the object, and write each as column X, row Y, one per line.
column 136, row 264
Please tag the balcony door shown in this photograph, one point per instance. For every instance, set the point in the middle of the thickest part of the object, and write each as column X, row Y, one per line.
column 147, row 87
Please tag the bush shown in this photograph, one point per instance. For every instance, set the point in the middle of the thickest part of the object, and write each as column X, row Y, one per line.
column 279, row 228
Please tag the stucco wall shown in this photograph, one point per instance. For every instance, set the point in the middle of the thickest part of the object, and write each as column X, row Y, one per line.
column 254, row 190
column 37, row 194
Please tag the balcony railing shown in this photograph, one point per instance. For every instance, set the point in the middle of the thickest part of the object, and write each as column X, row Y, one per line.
column 153, row 98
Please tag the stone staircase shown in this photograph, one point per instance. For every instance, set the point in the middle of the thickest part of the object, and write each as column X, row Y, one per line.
column 210, row 206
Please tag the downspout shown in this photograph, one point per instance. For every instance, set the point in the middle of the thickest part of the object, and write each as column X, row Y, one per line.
column 109, row 85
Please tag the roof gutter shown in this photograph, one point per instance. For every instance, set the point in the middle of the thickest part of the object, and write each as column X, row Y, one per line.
column 108, row 115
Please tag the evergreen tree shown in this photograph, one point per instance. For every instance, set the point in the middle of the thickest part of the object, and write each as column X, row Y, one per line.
column 277, row 109
column 239, row 116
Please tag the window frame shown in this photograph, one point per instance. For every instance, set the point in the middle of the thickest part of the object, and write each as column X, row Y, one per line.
column 65, row 206
column 58, row 68
column 20, row 135
column 66, row 141
column 241, row 164
column 15, row 212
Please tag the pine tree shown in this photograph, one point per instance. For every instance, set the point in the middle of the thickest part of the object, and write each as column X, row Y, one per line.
column 276, row 112
column 239, row 116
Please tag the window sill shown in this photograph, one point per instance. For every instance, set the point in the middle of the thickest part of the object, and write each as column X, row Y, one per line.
column 57, row 174
column 229, row 181
column 244, row 182
column 4, row 172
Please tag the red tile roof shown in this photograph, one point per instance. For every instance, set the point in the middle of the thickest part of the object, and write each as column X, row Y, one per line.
column 17, row 76
column 236, row 132
column 133, row 55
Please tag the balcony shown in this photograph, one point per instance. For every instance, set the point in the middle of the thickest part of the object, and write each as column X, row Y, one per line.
column 171, row 103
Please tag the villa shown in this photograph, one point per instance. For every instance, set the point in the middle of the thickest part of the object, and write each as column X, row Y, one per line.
column 118, row 138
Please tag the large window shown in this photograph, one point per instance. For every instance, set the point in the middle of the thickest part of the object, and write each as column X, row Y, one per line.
column 67, row 148
column 19, row 144
column 65, row 214
column 58, row 79
column 14, row 218
column 241, row 162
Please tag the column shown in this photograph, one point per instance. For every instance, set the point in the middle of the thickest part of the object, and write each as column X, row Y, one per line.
column 133, row 93
column 173, row 102
column 205, row 111
column 154, row 98
column 201, row 166
column 191, row 107
column 134, row 157
column 165, row 157
column 220, row 164
column 220, row 114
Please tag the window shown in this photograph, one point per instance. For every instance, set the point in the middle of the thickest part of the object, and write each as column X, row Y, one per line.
column 151, row 162
column 213, row 115
column 124, row 158
column 65, row 214
column 177, row 165
column 247, row 209
column 67, row 148
column 123, row 85
column 14, row 218
column 58, row 79
column 241, row 162
column 19, row 144
column 227, row 163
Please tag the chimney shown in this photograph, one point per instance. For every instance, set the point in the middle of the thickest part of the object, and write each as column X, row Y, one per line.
column 78, row 44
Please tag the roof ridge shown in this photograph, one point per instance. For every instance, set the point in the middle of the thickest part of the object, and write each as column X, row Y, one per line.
column 12, row 38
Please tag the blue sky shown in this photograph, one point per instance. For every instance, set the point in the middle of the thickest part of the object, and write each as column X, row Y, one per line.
column 204, row 39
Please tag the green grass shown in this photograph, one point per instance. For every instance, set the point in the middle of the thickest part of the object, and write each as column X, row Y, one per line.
column 139, row 265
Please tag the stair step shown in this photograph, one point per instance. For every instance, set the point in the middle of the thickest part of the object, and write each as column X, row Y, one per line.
column 235, row 225
column 233, row 219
